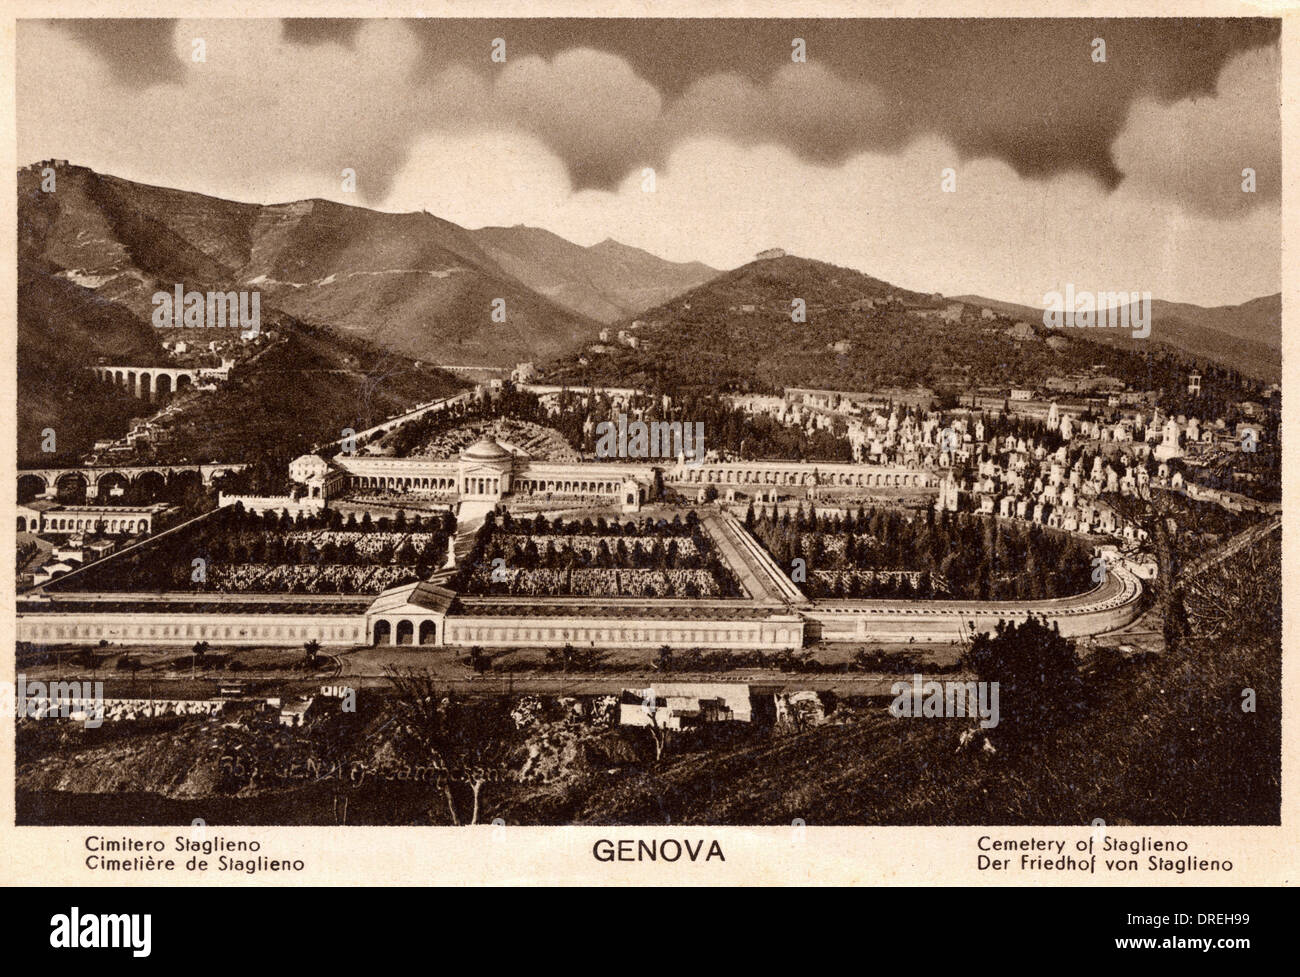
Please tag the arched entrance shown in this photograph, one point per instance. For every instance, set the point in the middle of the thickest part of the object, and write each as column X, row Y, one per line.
column 383, row 632
column 405, row 633
column 225, row 481
column 30, row 486
column 71, row 488
column 428, row 632
column 149, row 487
column 113, row 486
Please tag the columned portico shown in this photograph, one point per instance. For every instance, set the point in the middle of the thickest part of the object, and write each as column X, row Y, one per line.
column 486, row 469
column 413, row 615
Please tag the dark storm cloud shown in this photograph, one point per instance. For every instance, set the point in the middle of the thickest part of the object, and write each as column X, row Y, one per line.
column 1129, row 172
column 1025, row 92
column 138, row 52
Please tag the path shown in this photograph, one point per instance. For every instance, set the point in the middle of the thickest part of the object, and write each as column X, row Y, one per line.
column 758, row 573
column 1247, row 537
column 469, row 520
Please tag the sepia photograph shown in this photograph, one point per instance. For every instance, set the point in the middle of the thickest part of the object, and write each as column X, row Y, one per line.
column 649, row 422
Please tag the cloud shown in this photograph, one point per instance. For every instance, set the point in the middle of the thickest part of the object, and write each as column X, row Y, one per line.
column 612, row 95
column 1000, row 234
column 589, row 106
column 232, row 125
column 136, row 52
column 311, row 30
column 1025, row 91
column 804, row 107
column 1127, row 172
column 1194, row 150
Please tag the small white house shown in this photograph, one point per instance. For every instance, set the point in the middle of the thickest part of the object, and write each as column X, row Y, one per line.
column 682, row 705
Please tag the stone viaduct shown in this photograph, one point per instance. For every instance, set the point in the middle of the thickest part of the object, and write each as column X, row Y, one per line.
column 149, row 382
column 51, row 477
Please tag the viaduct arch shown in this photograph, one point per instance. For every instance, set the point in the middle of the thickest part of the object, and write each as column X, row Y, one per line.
column 149, row 382
column 49, row 479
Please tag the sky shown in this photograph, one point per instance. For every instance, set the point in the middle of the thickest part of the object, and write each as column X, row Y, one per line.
column 995, row 157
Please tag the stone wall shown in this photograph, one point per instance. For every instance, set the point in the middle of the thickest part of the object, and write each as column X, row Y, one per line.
column 143, row 628
column 549, row 632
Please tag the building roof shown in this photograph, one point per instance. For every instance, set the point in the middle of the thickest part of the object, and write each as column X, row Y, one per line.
column 485, row 449
column 685, row 699
column 421, row 595
column 296, row 708
column 695, row 691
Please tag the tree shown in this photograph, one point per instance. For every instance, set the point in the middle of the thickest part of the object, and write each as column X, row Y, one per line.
column 312, row 649
column 463, row 747
column 477, row 660
column 563, row 657
column 1154, row 513
column 200, row 650
column 1239, row 597
column 658, row 734
column 1037, row 671
column 664, row 658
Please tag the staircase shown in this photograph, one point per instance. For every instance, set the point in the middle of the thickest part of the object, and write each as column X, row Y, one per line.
column 469, row 520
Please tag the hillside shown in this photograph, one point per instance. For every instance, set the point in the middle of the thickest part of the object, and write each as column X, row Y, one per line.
column 884, row 771
column 62, row 328
column 302, row 391
column 1259, row 320
column 413, row 283
column 92, row 253
column 1245, row 337
column 1086, row 755
column 605, row 282
column 1218, row 764
column 304, row 387
column 736, row 333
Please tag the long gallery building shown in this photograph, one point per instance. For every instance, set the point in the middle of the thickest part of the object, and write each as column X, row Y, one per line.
column 773, row 615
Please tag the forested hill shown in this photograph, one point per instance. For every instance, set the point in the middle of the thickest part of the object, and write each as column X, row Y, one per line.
column 741, row 332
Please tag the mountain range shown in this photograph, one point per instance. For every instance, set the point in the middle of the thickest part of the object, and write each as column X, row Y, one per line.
column 363, row 290
column 787, row 321
column 90, row 255
column 379, row 301
column 606, row 282
column 1246, row 337
column 413, row 283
